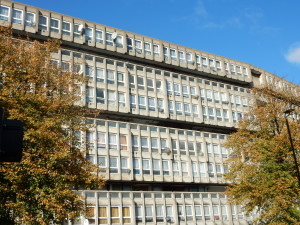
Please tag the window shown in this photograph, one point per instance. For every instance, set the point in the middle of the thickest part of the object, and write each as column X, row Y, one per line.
column 216, row 96
column 180, row 213
column 181, row 56
column 119, row 41
column 140, row 81
column 129, row 44
column 144, row 144
column 43, row 22
column 204, row 62
column 101, row 140
column 102, row 215
column 148, row 213
column 191, row 148
column 206, row 212
column 100, row 96
column 112, row 141
column 66, row 28
column 138, row 46
column 202, row 95
column 224, row 212
column 132, row 101
column 169, row 214
column 147, row 47
column 123, row 142
column 194, row 169
column 171, row 107
column 234, row 117
column 185, row 91
column 89, row 94
column 158, row 85
column 146, row 166
column 113, row 165
column 29, row 19
column 218, row 65
column 98, row 36
column 202, row 169
column 209, row 95
column 115, row 214
column 210, row 168
column 244, row 101
column 216, row 151
column 88, row 34
column 156, row 167
column 17, row 16
column 187, row 110
column 121, row 99
column 189, row 58
column 193, row 92
column 166, row 53
column 78, row 30
column 160, row 105
column 232, row 69
column 89, row 72
column 225, row 115
column 195, row 110
column 135, row 143
column 218, row 114
column 150, row 84
column 4, row 13
column 154, row 144
column 198, row 60
column 211, row 113
column 142, row 102
column 109, row 39
column 237, row 100
column 151, row 104
column 184, row 169
column 111, row 98
column 224, row 98
column 198, row 213
column 110, row 74
column 175, row 168
column 159, row 213
column 169, row 88
column 165, row 167
column 178, row 108
column 173, row 54
column 239, row 70
column 126, row 215
column 188, row 212
column 204, row 113
column 90, row 138
column 54, row 25
column 136, row 166
column 156, row 50
column 124, row 165
column 216, row 212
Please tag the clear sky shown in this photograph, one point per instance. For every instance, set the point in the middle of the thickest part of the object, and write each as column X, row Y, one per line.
column 263, row 33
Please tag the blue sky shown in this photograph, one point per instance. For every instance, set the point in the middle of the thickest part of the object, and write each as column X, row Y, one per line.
column 262, row 33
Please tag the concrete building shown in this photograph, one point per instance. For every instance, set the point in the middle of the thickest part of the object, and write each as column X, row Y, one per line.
column 166, row 113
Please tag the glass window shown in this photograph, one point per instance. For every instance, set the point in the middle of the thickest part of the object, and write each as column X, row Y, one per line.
column 189, row 58
column 100, row 96
column 188, row 212
column 156, row 50
column 29, row 19
column 123, row 142
column 156, row 167
column 176, row 89
column 159, row 213
column 88, row 34
column 169, row 213
column 4, row 13
column 132, row 101
column 138, row 46
column 119, row 41
column 204, row 62
column 146, row 166
column 17, row 16
column 43, row 22
column 147, row 47
column 121, row 99
column 144, row 144
column 202, row 169
column 110, row 74
column 151, row 104
column 109, row 39
column 159, row 85
column 171, row 107
column 166, row 53
column 115, row 214
column 98, row 36
column 173, row 54
column 89, row 94
column 181, row 56
column 185, row 91
column 150, row 84
column 198, row 212
column 166, row 169
column 148, row 213
column 126, row 214
column 176, row 170
column 136, row 166
column 101, row 141
column 187, row 110
column 113, row 165
column 54, row 25
column 111, row 97
column 112, row 141
column 160, row 105
column 142, row 102
column 195, row 110
column 184, row 169
column 66, row 28
column 178, row 108
column 206, row 212
column 194, row 169
column 154, row 144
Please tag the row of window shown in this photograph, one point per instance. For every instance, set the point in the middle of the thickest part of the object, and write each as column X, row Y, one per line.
column 66, row 28
column 115, row 98
column 175, row 168
column 146, row 143
column 162, row 213
column 154, row 129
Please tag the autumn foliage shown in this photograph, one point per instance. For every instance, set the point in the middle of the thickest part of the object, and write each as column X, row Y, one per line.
column 262, row 171
column 41, row 188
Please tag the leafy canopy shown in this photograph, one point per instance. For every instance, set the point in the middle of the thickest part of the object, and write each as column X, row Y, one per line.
column 41, row 188
column 262, row 173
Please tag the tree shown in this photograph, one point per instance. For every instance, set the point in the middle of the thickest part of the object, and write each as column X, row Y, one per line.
column 262, row 173
column 41, row 188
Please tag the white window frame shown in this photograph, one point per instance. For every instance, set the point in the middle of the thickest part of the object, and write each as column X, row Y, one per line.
column 3, row 16
column 89, row 33
column 147, row 48
column 173, row 54
column 54, row 29
column 98, row 38
column 65, row 31
column 138, row 46
column 43, row 26
column 28, row 22
column 155, row 50
column 16, row 20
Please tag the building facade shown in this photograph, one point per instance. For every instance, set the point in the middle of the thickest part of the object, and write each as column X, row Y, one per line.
column 166, row 111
